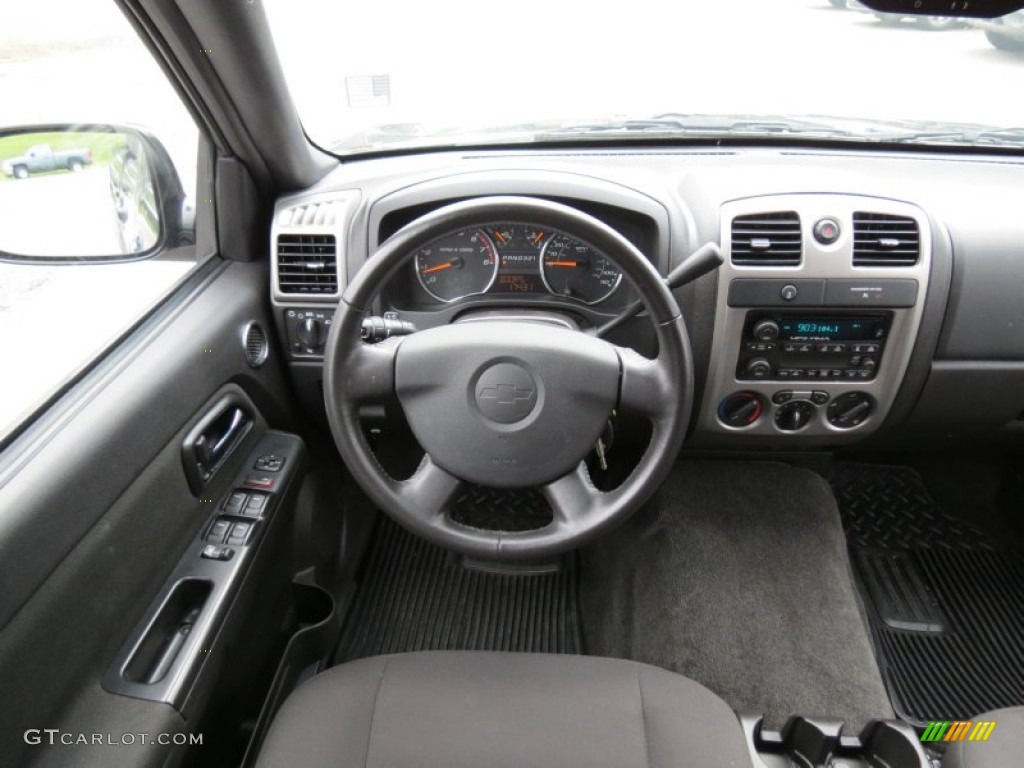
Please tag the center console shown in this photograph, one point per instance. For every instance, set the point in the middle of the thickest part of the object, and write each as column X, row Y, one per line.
column 819, row 303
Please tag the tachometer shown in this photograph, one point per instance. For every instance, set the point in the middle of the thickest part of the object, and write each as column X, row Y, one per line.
column 460, row 264
column 574, row 270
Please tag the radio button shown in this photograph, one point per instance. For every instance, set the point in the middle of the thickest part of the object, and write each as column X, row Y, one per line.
column 850, row 373
column 837, row 348
column 824, row 347
column 865, row 349
column 805, row 348
column 836, row 373
column 789, row 347
column 811, row 373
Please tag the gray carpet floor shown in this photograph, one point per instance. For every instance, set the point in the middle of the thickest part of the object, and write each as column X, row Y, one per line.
column 737, row 575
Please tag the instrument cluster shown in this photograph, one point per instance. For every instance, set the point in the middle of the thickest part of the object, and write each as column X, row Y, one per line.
column 514, row 259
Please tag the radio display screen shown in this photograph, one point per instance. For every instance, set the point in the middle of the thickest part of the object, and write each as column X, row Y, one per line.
column 831, row 328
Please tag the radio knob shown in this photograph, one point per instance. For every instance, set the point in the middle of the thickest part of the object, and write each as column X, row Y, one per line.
column 758, row 367
column 311, row 333
column 766, row 330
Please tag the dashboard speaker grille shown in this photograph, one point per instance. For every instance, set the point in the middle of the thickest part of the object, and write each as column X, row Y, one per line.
column 767, row 239
column 884, row 240
column 307, row 263
column 256, row 345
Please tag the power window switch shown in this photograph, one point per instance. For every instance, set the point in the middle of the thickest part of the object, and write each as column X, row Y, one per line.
column 235, row 502
column 218, row 531
column 239, row 533
column 215, row 552
column 254, row 507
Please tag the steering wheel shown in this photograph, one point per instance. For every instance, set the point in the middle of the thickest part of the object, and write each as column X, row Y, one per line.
column 507, row 403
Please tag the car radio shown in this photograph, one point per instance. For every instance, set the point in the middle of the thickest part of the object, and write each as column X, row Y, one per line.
column 803, row 346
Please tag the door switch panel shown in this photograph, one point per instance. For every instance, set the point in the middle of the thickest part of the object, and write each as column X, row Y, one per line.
column 218, row 561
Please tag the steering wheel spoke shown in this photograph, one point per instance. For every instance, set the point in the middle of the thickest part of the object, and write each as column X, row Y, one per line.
column 642, row 389
column 570, row 496
column 371, row 371
column 428, row 492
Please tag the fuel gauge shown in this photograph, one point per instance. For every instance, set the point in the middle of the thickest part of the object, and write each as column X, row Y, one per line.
column 536, row 237
column 502, row 235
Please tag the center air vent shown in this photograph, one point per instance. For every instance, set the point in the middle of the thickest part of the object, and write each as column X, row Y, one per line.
column 766, row 239
column 884, row 240
column 307, row 264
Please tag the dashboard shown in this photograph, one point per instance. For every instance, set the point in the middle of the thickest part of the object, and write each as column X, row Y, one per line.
column 861, row 296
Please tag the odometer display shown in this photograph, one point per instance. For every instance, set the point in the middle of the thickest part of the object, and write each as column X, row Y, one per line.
column 574, row 270
column 457, row 265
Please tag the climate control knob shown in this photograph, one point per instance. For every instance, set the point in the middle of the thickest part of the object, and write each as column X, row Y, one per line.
column 766, row 330
column 311, row 333
column 849, row 410
column 794, row 415
column 740, row 409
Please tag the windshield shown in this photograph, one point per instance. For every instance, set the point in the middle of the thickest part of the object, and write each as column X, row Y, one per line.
column 371, row 76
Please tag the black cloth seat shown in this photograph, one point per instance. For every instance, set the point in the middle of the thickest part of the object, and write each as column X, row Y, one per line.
column 1004, row 748
column 491, row 710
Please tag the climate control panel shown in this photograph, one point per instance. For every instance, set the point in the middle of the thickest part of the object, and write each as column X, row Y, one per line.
column 812, row 346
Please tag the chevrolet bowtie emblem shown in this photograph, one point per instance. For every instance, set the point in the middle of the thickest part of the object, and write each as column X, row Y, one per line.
column 505, row 394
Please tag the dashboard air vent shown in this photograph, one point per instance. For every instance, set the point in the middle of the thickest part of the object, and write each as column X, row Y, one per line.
column 766, row 239
column 307, row 263
column 884, row 240
column 256, row 345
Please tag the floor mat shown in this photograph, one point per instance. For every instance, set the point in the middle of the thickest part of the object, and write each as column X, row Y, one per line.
column 737, row 575
column 414, row 596
column 945, row 600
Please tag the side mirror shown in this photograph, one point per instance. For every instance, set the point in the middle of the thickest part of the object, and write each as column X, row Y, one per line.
column 88, row 193
column 979, row 9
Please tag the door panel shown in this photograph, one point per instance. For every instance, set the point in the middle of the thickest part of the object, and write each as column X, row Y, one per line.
column 95, row 514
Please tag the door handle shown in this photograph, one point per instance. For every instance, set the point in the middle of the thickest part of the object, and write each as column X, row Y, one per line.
column 211, row 446
column 213, row 439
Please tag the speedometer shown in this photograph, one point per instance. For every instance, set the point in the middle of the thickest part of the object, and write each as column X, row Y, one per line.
column 573, row 269
column 457, row 265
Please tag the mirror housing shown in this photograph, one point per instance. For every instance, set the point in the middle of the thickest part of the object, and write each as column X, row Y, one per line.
column 88, row 193
column 977, row 9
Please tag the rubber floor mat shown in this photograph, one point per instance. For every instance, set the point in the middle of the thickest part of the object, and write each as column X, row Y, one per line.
column 414, row 596
column 945, row 600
